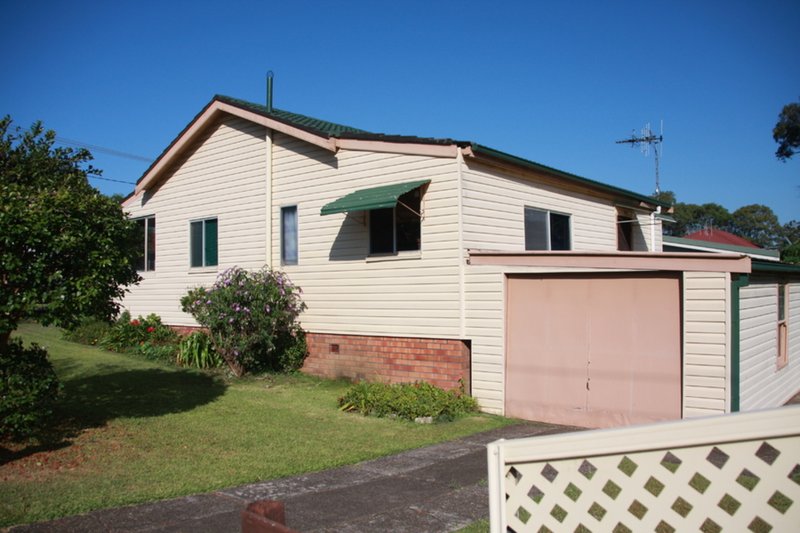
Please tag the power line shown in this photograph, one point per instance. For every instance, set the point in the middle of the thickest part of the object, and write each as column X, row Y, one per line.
column 109, row 179
column 109, row 151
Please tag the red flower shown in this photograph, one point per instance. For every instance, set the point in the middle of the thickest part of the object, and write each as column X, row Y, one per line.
column 135, row 322
column 151, row 329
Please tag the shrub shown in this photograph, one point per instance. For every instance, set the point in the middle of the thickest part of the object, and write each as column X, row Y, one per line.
column 90, row 331
column 143, row 336
column 251, row 318
column 408, row 401
column 197, row 351
column 28, row 390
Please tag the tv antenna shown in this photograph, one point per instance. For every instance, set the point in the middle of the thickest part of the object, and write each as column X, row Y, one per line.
column 644, row 141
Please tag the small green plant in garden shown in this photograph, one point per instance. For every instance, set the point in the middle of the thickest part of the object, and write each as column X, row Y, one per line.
column 29, row 389
column 145, row 337
column 197, row 351
column 407, row 400
column 251, row 319
column 90, row 331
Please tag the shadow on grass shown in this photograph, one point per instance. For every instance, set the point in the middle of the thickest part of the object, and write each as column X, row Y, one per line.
column 93, row 400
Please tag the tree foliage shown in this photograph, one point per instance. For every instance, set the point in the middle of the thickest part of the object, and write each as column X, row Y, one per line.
column 787, row 132
column 756, row 223
column 66, row 251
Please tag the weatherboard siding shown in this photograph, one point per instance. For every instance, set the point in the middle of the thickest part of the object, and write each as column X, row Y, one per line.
column 346, row 290
column 706, row 343
column 494, row 200
column 494, row 211
column 222, row 177
column 762, row 383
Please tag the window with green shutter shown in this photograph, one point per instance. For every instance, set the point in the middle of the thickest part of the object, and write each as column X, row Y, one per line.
column 203, row 243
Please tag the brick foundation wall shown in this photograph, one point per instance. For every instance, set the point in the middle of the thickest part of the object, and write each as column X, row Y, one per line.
column 186, row 330
column 440, row 362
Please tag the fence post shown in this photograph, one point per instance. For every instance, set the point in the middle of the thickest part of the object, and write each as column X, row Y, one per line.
column 497, row 516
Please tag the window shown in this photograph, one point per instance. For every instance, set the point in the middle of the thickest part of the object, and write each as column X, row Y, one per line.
column 625, row 233
column 545, row 230
column 146, row 228
column 396, row 229
column 203, row 243
column 783, row 333
column 289, row 235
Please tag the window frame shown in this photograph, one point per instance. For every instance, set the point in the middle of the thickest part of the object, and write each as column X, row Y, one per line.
column 548, row 228
column 146, row 248
column 783, row 324
column 296, row 237
column 203, row 243
column 400, row 205
column 625, row 222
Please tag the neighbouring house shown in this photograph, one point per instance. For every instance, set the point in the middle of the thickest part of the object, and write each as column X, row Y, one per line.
column 548, row 294
column 764, row 312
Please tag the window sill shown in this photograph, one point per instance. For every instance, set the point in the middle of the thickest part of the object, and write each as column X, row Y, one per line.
column 203, row 270
column 400, row 256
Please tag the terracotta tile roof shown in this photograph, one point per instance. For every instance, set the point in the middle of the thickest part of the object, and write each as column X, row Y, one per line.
column 720, row 237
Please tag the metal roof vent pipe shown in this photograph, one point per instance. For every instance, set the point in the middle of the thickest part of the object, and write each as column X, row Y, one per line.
column 270, row 75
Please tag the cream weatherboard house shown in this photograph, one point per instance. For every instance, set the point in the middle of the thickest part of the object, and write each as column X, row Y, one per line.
column 548, row 294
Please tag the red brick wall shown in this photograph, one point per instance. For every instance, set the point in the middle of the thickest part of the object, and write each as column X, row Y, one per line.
column 186, row 330
column 440, row 362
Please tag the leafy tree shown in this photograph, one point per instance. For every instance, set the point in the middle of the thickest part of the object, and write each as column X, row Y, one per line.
column 787, row 132
column 665, row 196
column 759, row 224
column 790, row 248
column 66, row 251
column 693, row 217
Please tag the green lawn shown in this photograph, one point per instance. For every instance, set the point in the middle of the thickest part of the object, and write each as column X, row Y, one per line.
column 131, row 431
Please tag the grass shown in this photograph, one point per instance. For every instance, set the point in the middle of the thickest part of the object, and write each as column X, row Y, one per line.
column 130, row 431
column 481, row 526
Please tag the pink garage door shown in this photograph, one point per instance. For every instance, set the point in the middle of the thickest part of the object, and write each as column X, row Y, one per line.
column 593, row 350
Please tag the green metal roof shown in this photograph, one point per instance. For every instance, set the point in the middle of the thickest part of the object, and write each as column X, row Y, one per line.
column 328, row 129
column 331, row 129
column 372, row 198
column 774, row 266
column 668, row 239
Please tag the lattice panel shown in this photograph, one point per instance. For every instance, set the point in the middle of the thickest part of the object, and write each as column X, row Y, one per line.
column 742, row 486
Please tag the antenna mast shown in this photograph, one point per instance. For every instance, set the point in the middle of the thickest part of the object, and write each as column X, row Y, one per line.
column 645, row 140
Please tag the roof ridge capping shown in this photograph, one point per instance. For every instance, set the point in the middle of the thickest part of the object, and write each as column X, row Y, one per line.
column 315, row 125
column 329, row 129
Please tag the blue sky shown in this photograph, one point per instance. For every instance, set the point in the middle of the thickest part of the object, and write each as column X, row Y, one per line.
column 555, row 82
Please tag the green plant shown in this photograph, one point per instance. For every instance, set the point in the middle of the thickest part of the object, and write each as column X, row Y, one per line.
column 408, row 401
column 90, row 331
column 292, row 351
column 66, row 250
column 28, row 390
column 158, row 351
column 250, row 318
column 197, row 351
column 127, row 335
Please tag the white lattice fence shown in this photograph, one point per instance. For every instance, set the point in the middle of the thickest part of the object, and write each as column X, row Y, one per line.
column 730, row 473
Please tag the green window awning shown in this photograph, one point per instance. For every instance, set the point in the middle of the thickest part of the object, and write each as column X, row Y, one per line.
column 372, row 198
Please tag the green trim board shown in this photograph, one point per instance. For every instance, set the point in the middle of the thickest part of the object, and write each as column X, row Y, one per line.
column 743, row 280
column 372, row 198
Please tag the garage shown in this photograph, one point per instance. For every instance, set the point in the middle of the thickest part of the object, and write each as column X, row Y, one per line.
column 594, row 350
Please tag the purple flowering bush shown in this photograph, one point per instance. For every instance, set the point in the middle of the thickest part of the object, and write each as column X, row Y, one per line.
column 252, row 319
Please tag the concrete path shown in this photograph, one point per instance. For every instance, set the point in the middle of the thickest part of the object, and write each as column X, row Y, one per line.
column 435, row 489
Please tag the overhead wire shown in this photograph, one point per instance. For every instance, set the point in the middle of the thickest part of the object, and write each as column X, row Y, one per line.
column 105, row 150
